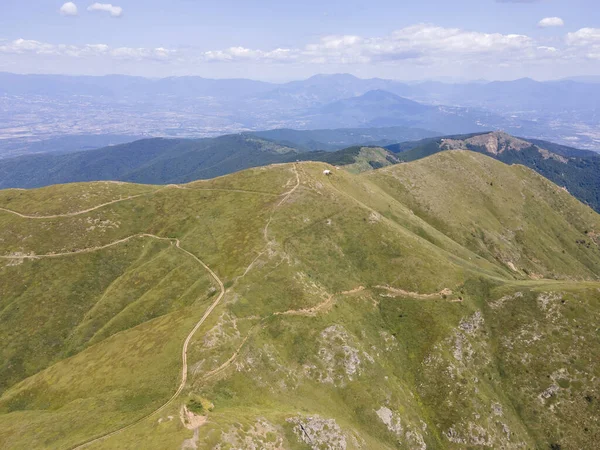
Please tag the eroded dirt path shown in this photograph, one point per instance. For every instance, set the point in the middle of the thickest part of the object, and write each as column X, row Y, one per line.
column 395, row 292
column 286, row 196
column 323, row 307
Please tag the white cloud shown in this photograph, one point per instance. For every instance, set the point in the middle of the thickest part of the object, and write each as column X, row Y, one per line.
column 586, row 41
column 246, row 54
column 422, row 43
column 138, row 54
column 551, row 22
column 27, row 46
column 114, row 11
column 68, row 9
column 584, row 37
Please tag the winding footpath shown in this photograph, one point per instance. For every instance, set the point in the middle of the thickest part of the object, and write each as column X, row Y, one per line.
column 119, row 200
column 76, row 213
column 186, row 343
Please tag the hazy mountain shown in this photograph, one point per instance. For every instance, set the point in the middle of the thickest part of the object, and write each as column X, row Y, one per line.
column 381, row 108
column 447, row 303
column 529, row 95
column 42, row 107
column 322, row 89
column 585, row 79
column 120, row 87
column 337, row 139
column 10, row 148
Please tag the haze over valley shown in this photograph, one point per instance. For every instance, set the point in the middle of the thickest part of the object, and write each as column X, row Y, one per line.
column 35, row 108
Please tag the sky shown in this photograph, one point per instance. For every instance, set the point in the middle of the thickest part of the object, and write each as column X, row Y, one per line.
column 282, row 40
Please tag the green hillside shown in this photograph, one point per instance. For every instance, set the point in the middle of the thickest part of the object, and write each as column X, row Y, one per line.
column 450, row 302
column 575, row 170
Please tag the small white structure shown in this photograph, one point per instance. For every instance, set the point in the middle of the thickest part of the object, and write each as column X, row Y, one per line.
column 327, row 172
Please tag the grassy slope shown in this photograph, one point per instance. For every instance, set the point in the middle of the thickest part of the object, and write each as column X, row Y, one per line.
column 579, row 175
column 458, row 369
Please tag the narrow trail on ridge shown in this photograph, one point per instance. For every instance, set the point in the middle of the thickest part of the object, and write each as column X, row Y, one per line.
column 286, row 196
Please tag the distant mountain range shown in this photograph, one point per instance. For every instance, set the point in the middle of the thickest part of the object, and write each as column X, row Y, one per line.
column 562, row 111
column 525, row 93
column 380, row 108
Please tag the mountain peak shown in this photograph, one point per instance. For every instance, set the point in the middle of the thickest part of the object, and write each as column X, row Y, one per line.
column 380, row 95
column 495, row 142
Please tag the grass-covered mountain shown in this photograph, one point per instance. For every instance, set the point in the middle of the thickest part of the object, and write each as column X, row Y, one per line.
column 576, row 170
column 450, row 302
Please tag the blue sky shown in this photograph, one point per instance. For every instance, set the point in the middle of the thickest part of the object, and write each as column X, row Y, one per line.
column 278, row 40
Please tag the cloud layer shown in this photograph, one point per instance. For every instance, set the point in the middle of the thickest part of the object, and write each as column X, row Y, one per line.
column 22, row 46
column 421, row 45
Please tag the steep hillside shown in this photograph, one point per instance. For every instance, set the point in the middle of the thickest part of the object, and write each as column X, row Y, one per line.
column 450, row 302
column 575, row 170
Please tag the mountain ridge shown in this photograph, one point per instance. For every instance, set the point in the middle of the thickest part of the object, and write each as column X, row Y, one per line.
column 573, row 169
